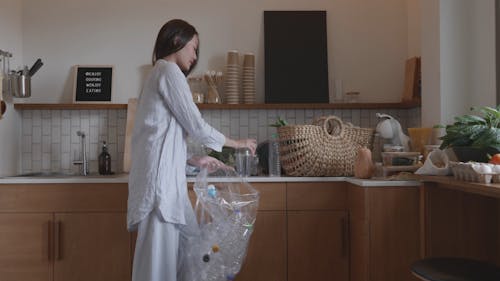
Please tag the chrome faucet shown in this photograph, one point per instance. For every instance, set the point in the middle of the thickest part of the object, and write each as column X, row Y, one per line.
column 84, row 170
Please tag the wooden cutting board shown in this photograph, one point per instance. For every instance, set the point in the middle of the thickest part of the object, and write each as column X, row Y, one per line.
column 132, row 106
column 412, row 80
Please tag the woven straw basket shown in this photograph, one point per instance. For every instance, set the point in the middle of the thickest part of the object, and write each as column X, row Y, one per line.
column 326, row 148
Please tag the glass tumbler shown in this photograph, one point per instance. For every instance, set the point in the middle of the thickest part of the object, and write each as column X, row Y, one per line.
column 243, row 162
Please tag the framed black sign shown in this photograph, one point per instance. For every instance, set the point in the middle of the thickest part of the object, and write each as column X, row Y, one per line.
column 93, row 83
column 296, row 57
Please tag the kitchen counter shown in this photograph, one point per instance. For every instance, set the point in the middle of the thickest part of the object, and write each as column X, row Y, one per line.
column 118, row 178
column 459, row 218
column 485, row 189
column 123, row 178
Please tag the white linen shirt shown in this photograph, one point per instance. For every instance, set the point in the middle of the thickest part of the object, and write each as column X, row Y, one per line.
column 165, row 115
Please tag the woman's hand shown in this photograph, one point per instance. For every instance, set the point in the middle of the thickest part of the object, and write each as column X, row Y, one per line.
column 210, row 163
column 251, row 144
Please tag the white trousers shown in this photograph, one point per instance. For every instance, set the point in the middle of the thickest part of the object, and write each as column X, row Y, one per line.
column 160, row 248
column 156, row 250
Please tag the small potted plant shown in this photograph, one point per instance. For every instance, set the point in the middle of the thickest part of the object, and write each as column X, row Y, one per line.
column 474, row 137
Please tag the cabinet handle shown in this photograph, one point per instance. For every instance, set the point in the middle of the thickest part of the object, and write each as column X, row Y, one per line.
column 50, row 234
column 345, row 236
column 57, row 243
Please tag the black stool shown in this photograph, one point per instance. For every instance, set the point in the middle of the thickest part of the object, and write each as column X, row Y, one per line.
column 455, row 269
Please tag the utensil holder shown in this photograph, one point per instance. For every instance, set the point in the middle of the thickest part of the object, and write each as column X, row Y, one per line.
column 20, row 85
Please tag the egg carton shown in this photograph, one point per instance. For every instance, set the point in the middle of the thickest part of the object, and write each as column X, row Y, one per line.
column 475, row 172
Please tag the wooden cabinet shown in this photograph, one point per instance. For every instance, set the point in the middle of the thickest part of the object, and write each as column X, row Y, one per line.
column 91, row 246
column 301, row 233
column 24, row 244
column 266, row 255
column 384, row 232
column 304, row 231
column 64, row 232
column 317, row 246
column 317, row 228
column 461, row 224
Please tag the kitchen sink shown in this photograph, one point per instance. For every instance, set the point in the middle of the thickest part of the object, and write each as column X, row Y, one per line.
column 45, row 175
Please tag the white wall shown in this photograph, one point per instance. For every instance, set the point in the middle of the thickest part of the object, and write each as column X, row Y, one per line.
column 431, row 74
column 10, row 40
column 483, row 54
column 455, row 58
column 368, row 43
column 414, row 28
column 458, row 58
column 367, row 40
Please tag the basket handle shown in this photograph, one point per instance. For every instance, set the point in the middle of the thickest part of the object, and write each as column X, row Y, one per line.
column 333, row 126
column 319, row 121
column 349, row 124
column 322, row 119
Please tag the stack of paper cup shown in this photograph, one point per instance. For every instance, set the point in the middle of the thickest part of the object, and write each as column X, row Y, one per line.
column 248, row 82
column 232, row 79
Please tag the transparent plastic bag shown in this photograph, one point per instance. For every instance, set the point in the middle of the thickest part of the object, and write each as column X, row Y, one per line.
column 226, row 211
column 436, row 164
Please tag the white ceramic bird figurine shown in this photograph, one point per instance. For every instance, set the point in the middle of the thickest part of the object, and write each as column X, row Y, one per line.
column 389, row 128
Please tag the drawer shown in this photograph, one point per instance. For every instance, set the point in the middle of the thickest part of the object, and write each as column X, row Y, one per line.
column 71, row 197
column 316, row 196
column 272, row 195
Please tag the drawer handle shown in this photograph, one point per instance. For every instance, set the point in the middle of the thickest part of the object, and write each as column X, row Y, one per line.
column 344, row 236
column 57, row 243
column 50, row 234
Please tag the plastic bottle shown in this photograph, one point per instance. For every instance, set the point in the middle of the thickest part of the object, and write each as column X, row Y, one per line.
column 104, row 161
column 274, row 157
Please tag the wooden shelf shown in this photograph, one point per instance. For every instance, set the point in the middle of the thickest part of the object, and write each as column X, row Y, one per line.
column 395, row 105
column 49, row 106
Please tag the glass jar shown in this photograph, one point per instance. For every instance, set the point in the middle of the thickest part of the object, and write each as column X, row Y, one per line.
column 213, row 95
column 351, row 97
column 195, row 83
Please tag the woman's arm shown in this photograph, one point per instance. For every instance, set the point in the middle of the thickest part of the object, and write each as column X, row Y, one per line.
column 175, row 92
column 208, row 162
column 242, row 143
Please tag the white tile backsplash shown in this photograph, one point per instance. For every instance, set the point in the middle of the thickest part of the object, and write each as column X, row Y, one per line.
column 65, row 144
column 50, row 142
column 56, row 118
column 46, row 127
column 37, row 118
column 37, row 134
column 36, row 152
column 56, row 135
column 55, row 152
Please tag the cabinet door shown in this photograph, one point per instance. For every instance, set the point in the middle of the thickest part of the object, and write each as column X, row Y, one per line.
column 266, row 255
column 25, row 243
column 91, row 246
column 394, row 232
column 317, row 246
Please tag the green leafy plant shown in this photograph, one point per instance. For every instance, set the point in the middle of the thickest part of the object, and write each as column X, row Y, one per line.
column 477, row 131
column 279, row 123
column 226, row 155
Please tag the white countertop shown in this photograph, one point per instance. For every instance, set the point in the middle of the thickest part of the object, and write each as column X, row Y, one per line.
column 123, row 178
column 118, row 178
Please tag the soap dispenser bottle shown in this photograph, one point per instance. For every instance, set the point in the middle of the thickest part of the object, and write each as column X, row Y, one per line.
column 104, row 161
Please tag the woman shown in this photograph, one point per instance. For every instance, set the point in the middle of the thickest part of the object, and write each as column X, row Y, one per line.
column 158, row 203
